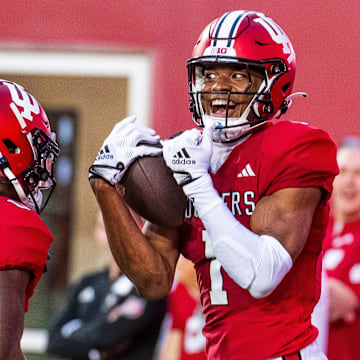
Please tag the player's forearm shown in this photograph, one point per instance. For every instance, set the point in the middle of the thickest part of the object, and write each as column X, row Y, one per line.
column 256, row 263
column 133, row 251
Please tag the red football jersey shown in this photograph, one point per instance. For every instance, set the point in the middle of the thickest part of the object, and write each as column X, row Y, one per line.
column 342, row 262
column 187, row 317
column 238, row 326
column 24, row 241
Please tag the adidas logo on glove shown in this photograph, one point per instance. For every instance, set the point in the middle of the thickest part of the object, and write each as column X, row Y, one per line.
column 182, row 157
column 104, row 154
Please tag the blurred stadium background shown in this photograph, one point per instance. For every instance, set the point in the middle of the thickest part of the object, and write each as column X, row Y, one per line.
column 91, row 63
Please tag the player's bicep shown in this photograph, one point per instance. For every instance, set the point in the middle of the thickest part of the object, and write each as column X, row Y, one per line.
column 287, row 215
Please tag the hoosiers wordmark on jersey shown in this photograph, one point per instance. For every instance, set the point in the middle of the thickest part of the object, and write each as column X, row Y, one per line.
column 238, row 202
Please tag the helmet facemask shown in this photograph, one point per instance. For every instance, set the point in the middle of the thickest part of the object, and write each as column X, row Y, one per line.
column 39, row 175
column 39, row 178
column 234, row 119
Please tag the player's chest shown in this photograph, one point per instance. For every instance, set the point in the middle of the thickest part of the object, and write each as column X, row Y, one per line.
column 239, row 183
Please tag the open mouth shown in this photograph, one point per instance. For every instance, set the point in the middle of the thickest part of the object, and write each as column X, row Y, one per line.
column 219, row 106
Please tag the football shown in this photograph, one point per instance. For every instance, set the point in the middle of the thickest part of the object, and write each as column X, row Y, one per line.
column 152, row 192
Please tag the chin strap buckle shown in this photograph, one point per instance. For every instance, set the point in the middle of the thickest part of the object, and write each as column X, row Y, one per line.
column 287, row 103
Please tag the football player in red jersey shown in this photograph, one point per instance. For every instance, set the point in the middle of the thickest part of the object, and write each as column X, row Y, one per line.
column 342, row 255
column 27, row 154
column 258, row 197
column 184, row 340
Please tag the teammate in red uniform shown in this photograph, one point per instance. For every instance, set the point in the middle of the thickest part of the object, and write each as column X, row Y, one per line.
column 184, row 340
column 258, row 196
column 342, row 256
column 27, row 154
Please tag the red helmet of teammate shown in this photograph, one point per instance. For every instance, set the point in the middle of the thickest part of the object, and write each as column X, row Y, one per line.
column 247, row 40
column 27, row 146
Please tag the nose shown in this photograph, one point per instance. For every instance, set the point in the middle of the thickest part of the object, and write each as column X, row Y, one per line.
column 222, row 83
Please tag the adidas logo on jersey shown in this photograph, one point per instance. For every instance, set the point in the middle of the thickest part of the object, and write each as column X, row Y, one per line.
column 182, row 157
column 246, row 172
column 104, row 154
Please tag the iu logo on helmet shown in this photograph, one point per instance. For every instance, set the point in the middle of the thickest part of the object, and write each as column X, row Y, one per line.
column 277, row 34
column 26, row 101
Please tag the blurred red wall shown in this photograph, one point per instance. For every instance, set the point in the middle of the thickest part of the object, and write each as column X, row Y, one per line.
column 325, row 35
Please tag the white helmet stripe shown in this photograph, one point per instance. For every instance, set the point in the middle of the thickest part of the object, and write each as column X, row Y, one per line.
column 227, row 28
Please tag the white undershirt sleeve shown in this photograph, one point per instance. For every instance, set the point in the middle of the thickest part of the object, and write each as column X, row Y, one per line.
column 256, row 263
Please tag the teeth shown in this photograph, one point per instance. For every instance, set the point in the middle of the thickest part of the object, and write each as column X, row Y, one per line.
column 221, row 102
column 218, row 102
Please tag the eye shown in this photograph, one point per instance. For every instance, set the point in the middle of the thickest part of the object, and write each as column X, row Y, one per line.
column 239, row 75
column 210, row 75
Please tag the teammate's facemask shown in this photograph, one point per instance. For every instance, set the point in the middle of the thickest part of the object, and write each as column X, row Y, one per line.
column 28, row 148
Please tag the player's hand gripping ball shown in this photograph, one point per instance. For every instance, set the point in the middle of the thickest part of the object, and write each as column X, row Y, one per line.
column 132, row 156
column 151, row 191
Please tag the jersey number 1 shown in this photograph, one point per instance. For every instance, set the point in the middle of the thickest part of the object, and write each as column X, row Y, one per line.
column 218, row 295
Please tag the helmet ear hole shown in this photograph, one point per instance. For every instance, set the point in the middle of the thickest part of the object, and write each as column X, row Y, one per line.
column 13, row 149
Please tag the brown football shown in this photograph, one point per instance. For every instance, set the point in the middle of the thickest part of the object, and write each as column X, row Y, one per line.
column 152, row 192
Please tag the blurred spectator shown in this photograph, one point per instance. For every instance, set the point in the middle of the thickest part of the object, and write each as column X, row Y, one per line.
column 105, row 318
column 342, row 256
column 184, row 340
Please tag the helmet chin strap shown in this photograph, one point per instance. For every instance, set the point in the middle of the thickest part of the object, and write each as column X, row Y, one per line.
column 33, row 200
column 222, row 134
column 241, row 125
column 231, row 134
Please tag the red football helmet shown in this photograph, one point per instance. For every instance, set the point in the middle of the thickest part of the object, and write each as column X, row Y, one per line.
column 252, row 41
column 27, row 146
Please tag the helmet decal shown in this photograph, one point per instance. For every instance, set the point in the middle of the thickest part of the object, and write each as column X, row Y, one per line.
column 27, row 102
column 226, row 29
column 28, row 149
column 277, row 34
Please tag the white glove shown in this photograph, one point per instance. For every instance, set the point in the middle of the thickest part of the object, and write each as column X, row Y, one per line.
column 122, row 147
column 188, row 155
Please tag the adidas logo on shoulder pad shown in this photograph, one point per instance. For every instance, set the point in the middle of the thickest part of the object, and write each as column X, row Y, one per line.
column 246, row 172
